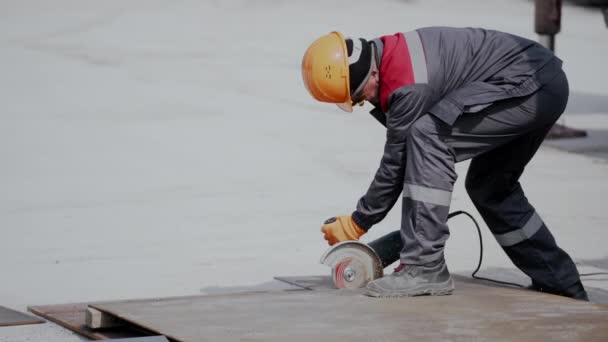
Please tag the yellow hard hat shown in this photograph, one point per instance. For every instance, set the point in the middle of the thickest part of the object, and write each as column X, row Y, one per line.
column 325, row 71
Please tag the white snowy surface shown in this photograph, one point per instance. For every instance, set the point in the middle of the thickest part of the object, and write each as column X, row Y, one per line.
column 155, row 148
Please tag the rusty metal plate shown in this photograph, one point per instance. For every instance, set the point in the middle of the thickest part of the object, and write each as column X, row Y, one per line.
column 474, row 311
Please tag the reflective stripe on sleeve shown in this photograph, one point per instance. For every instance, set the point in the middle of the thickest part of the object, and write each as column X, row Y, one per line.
column 414, row 45
column 527, row 231
column 427, row 195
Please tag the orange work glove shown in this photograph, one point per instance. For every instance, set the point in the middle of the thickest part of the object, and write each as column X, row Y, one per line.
column 341, row 228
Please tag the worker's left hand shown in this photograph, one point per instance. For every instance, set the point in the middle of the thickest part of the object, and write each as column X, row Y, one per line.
column 341, row 228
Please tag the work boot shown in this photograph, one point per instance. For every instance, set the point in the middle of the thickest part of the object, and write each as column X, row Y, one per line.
column 411, row 280
column 576, row 291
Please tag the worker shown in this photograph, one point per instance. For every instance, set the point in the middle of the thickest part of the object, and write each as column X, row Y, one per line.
column 446, row 95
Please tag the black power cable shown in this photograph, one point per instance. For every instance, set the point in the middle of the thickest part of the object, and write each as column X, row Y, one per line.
column 474, row 274
column 593, row 274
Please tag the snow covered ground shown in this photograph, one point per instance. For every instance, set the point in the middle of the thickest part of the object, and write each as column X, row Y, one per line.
column 157, row 148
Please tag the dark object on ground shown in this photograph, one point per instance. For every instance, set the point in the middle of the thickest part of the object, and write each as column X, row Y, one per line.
column 590, row 3
column 602, row 4
column 560, row 131
column 547, row 16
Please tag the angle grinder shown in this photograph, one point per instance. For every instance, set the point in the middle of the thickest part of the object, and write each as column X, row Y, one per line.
column 354, row 264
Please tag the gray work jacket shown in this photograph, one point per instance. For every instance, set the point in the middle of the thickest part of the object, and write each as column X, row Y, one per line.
column 468, row 69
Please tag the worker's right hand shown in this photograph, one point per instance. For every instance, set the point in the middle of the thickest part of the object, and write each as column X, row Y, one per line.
column 341, row 228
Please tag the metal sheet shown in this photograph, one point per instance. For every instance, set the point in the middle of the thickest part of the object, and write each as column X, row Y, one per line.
column 9, row 317
column 474, row 311
column 596, row 295
column 309, row 282
column 326, row 283
column 141, row 339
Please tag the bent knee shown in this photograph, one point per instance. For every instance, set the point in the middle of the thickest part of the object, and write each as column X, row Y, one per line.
column 474, row 188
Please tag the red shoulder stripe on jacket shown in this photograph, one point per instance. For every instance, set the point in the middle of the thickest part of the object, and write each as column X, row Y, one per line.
column 402, row 64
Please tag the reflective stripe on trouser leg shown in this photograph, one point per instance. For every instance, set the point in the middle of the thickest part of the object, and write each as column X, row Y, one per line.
column 427, row 195
column 526, row 249
column 427, row 191
column 516, row 236
column 517, row 227
column 423, row 227
column 544, row 261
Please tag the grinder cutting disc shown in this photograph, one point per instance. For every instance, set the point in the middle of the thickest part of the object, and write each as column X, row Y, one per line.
column 353, row 264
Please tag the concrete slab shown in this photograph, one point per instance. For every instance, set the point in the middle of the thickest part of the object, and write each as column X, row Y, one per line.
column 473, row 312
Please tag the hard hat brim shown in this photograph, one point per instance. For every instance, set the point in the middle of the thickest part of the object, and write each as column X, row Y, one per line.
column 346, row 106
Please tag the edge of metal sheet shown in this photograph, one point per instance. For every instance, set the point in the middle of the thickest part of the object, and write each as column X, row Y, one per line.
column 132, row 322
column 141, row 339
column 17, row 318
column 72, row 317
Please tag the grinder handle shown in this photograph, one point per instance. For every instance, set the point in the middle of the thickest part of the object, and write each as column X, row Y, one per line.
column 388, row 247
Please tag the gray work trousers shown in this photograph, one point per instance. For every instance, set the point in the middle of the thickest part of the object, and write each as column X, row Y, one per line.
column 501, row 139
